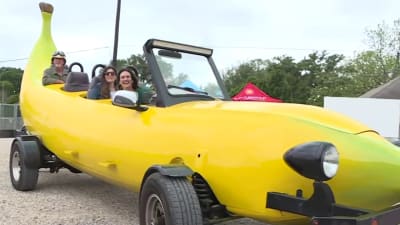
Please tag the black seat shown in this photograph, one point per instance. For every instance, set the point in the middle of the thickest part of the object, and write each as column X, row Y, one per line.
column 95, row 81
column 76, row 81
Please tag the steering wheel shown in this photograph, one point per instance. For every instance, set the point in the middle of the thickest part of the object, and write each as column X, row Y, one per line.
column 75, row 64
column 96, row 67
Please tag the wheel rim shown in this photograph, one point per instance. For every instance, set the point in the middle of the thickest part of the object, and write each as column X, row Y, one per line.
column 16, row 166
column 155, row 213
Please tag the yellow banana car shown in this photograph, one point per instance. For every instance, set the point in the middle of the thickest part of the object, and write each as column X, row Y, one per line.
column 198, row 158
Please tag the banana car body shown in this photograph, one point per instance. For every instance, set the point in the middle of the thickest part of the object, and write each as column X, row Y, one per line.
column 236, row 149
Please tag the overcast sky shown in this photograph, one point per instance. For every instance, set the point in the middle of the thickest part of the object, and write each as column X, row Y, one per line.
column 237, row 30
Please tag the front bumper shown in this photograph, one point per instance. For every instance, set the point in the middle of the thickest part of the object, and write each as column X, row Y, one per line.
column 323, row 210
column 390, row 216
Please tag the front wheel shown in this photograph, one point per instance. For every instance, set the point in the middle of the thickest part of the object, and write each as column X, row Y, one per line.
column 24, row 164
column 168, row 201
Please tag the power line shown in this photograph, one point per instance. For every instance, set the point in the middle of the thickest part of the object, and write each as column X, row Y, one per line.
column 214, row 47
column 88, row 50
column 72, row 52
column 280, row 48
column 264, row 48
column 13, row 60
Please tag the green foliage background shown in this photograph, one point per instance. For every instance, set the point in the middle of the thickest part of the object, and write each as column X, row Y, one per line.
column 307, row 81
column 10, row 84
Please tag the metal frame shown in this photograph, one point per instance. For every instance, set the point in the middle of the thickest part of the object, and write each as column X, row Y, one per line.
column 323, row 210
column 164, row 99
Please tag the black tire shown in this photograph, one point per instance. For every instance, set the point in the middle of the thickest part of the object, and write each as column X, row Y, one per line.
column 168, row 201
column 24, row 164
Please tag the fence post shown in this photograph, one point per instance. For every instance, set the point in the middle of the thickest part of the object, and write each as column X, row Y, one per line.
column 15, row 116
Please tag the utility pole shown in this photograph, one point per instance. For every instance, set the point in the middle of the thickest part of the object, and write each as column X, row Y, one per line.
column 2, row 94
column 114, row 59
column 397, row 63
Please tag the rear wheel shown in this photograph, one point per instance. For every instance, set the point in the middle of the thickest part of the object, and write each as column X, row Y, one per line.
column 168, row 201
column 24, row 164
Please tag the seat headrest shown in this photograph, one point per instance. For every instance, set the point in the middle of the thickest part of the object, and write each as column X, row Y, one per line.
column 76, row 81
column 95, row 81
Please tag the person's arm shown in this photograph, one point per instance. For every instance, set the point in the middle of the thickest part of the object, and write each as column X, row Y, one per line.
column 144, row 94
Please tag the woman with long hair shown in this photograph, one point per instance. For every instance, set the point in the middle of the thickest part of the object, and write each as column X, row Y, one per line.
column 128, row 79
column 106, row 85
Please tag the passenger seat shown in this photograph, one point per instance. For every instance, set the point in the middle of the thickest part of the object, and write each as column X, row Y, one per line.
column 76, row 81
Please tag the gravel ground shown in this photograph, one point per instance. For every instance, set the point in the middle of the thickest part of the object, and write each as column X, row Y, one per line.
column 69, row 199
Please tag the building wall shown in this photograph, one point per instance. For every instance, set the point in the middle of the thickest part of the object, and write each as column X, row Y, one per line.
column 382, row 115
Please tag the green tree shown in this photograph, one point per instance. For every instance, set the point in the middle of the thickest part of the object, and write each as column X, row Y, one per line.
column 10, row 83
column 368, row 71
column 6, row 88
column 12, row 99
column 212, row 89
column 253, row 71
column 177, row 80
column 384, row 40
column 139, row 62
column 322, row 75
column 166, row 70
column 330, row 84
column 306, row 82
column 282, row 80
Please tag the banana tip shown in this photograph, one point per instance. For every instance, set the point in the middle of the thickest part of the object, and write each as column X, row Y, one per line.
column 46, row 7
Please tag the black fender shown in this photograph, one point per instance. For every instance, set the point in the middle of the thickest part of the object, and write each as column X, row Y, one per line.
column 31, row 148
column 176, row 170
column 170, row 170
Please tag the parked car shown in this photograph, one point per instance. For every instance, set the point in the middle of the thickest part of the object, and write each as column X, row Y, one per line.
column 196, row 157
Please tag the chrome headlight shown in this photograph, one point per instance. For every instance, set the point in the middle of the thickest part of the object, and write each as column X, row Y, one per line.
column 314, row 160
column 330, row 161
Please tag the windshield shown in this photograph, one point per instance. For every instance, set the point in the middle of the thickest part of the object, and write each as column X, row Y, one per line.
column 187, row 74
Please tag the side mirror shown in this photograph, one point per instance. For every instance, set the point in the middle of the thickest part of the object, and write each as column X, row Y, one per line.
column 123, row 98
column 127, row 99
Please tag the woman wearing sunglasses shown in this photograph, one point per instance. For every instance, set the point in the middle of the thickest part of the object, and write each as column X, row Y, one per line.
column 106, row 86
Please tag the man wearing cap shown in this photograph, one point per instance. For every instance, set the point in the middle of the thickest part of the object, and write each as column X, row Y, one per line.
column 58, row 71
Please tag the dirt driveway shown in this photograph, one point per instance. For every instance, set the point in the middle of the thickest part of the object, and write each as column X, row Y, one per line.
column 68, row 199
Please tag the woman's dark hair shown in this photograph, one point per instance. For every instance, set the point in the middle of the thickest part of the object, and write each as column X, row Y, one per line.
column 134, row 77
column 105, row 88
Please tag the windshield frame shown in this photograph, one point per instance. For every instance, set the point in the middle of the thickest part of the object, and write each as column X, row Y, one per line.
column 164, row 98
